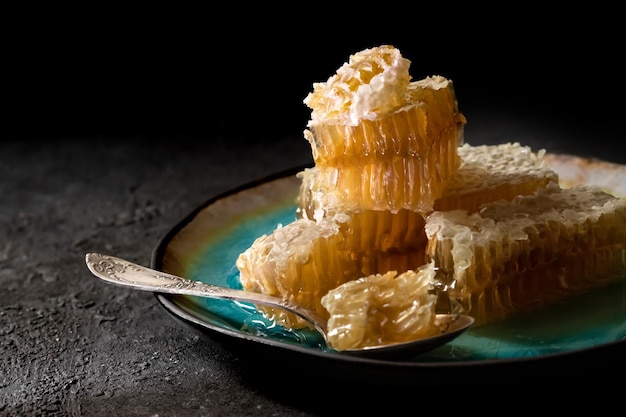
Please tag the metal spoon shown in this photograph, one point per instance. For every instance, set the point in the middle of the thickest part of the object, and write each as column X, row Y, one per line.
column 127, row 274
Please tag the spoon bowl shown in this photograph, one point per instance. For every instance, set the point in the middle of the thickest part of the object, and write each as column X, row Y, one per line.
column 124, row 273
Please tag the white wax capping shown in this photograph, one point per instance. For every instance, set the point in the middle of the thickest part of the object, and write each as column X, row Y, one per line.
column 372, row 83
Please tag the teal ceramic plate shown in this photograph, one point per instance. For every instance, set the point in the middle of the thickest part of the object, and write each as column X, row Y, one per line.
column 204, row 246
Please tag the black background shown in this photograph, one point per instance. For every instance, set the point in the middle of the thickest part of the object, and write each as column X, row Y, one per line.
column 245, row 76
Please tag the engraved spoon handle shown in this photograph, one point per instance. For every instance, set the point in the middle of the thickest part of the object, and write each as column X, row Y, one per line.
column 127, row 274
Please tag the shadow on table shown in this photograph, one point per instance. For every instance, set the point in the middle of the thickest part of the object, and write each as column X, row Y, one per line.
column 326, row 386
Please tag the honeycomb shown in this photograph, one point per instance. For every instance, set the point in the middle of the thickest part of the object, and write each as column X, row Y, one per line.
column 303, row 260
column 493, row 172
column 518, row 255
column 379, row 140
column 381, row 309
column 487, row 173
column 397, row 205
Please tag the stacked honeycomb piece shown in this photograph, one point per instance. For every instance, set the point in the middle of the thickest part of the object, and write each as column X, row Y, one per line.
column 380, row 141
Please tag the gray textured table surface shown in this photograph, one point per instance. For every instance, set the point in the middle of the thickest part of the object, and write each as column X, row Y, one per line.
column 71, row 345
